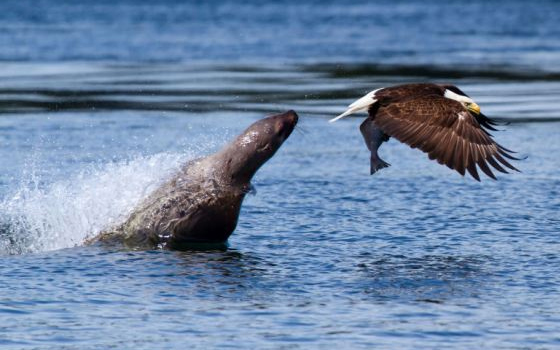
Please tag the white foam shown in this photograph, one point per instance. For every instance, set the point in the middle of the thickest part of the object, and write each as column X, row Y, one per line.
column 65, row 213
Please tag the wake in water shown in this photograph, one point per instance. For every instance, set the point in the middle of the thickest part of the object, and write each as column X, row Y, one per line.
column 65, row 213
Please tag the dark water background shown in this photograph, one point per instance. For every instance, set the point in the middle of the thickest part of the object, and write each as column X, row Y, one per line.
column 100, row 101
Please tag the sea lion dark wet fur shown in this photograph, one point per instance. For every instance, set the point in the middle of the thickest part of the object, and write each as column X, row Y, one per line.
column 201, row 203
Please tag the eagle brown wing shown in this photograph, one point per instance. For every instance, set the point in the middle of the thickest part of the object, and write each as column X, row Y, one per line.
column 445, row 130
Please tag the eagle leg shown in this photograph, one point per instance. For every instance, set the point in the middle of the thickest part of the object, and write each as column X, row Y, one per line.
column 373, row 138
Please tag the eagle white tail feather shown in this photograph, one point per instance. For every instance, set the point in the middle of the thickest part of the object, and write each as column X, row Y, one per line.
column 358, row 105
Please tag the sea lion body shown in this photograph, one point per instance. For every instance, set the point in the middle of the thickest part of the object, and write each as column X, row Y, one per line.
column 201, row 203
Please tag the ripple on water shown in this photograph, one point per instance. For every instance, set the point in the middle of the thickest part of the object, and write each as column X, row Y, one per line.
column 324, row 255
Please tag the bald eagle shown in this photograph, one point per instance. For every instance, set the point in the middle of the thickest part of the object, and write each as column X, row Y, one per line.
column 440, row 120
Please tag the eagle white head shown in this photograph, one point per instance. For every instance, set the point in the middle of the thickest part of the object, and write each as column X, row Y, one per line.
column 466, row 101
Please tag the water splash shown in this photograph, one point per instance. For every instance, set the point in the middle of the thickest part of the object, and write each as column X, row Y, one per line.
column 65, row 213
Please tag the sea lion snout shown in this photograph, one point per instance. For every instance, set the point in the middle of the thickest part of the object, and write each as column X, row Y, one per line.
column 285, row 123
column 257, row 144
column 290, row 116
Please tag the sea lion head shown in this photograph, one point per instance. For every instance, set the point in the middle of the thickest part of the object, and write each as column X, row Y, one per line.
column 235, row 165
column 256, row 145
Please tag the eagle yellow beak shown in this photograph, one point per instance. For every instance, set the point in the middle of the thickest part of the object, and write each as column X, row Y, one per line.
column 473, row 107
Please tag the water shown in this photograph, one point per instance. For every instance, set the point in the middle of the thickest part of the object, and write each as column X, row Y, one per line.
column 100, row 102
column 389, row 32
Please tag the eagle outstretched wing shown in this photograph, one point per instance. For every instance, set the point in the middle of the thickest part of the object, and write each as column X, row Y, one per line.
column 445, row 130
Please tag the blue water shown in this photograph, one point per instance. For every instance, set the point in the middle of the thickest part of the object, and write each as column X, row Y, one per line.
column 479, row 32
column 101, row 101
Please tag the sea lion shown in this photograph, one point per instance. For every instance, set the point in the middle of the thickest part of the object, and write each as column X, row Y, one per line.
column 201, row 203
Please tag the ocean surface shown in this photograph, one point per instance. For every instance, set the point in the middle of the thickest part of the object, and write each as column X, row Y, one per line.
column 101, row 101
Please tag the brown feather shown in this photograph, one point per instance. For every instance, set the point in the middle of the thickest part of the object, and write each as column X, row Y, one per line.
column 443, row 129
column 484, row 167
column 459, row 153
column 495, row 164
column 504, row 162
column 449, row 156
column 472, row 170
